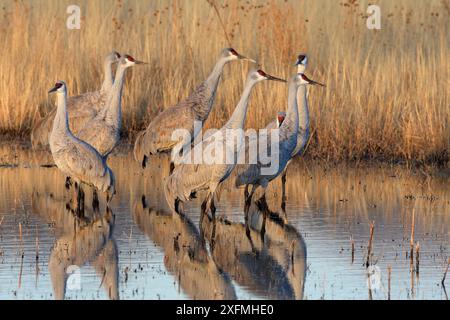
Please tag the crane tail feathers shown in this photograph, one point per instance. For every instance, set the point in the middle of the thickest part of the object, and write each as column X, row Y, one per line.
column 138, row 151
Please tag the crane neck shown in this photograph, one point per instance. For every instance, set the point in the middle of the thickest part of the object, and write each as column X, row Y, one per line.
column 112, row 111
column 215, row 74
column 61, row 122
column 301, row 68
column 303, row 128
column 238, row 117
column 289, row 127
column 303, row 110
column 108, row 77
column 207, row 91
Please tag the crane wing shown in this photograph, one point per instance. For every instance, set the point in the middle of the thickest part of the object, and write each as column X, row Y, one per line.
column 158, row 135
column 84, row 161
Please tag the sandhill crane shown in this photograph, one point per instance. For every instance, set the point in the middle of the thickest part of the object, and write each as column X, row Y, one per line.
column 278, row 271
column 88, row 243
column 80, row 241
column 303, row 129
column 103, row 131
column 288, row 131
column 81, row 108
column 157, row 137
column 188, row 178
column 75, row 157
column 185, row 254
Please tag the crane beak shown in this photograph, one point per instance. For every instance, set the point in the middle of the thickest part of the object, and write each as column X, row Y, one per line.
column 241, row 57
column 269, row 77
column 316, row 83
column 140, row 62
column 53, row 89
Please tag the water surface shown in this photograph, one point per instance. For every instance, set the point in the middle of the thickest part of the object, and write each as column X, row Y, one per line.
column 137, row 250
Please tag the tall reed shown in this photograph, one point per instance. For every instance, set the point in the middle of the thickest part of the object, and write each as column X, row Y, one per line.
column 387, row 90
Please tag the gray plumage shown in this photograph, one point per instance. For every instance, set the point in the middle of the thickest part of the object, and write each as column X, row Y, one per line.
column 81, row 108
column 302, row 132
column 252, row 173
column 187, row 178
column 157, row 137
column 303, row 112
column 74, row 157
column 103, row 131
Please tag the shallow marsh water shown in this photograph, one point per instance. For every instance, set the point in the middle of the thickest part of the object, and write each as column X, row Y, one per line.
column 138, row 251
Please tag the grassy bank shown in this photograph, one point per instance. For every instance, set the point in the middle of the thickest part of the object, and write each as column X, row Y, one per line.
column 387, row 94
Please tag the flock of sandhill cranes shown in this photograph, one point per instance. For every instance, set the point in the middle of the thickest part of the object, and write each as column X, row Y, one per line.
column 83, row 130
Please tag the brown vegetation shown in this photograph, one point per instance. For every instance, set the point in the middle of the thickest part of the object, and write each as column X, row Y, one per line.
column 387, row 90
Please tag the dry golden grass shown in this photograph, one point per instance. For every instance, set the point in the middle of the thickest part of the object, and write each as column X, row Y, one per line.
column 387, row 90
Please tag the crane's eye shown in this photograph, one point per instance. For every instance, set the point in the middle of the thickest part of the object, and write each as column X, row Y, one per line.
column 58, row 85
column 130, row 58
column 301, row 58
column 117, row 55
column 262, row 73
column 233, row 52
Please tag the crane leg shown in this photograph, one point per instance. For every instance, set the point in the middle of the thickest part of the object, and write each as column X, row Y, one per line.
column 283, row 187
column 178, row 207
column 283, row 195
column 248, row 201
column 80, row 201
column 172, row 167
column 204, row 210
column 213, row 214
column 68, row 183
column 144, row 162
column 264, row 208
column 248, row 198
column 95, row 202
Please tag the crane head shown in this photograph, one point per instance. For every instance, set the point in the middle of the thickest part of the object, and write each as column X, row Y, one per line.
column 301, row 63
column 260, row 75
column 303, row 79
column 59, row 87
column 128, row 61
column 112, row 57
column 280, row 118
column 230, row 54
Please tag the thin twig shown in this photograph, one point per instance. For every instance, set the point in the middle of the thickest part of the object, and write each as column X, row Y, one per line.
column 37, row 243
column 445, row 273
column 411, row 243
column 369, row 247
column 214, row 5
column 389, row 282
column 353, row 248
column 20, row 235
column 417, row 257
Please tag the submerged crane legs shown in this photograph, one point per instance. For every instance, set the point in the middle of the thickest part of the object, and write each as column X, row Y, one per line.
column 68, row 183
column 264, row 208
column 80, row 197
column 248, row 202
column 209, row 203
